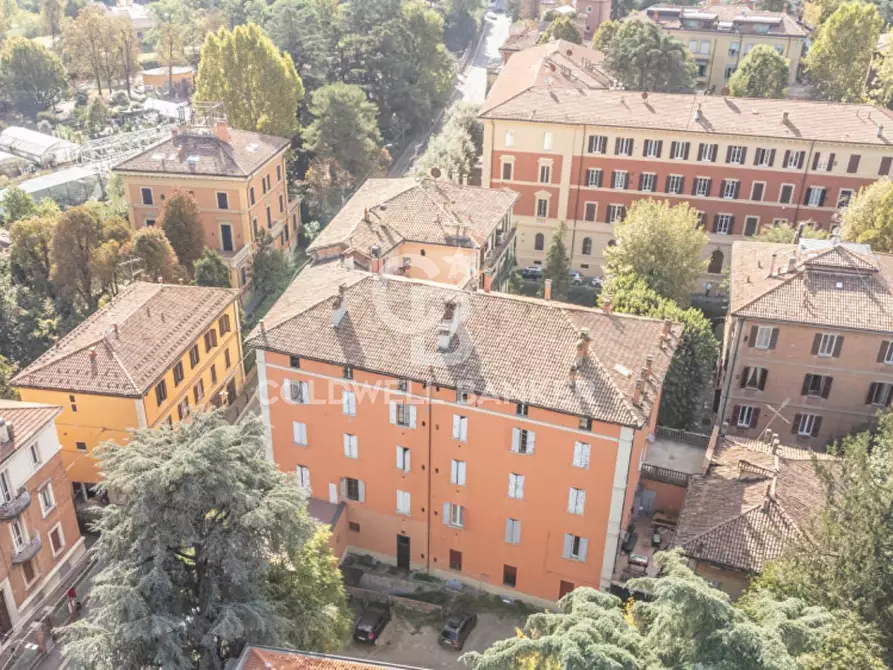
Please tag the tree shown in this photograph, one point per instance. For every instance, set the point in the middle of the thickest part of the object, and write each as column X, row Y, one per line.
column 97, row 116
column 16, row 205
column 51, row 14
column 513, row 10
column 309, row 592
column 270, row 271
column 179, row 219
column 604, row 35
column 844, row 563
column 839, row 57
column 868, row 219
column 182, row 579
column 785, row 233
column 127, row 46
column 644, row 58
column 690, row 373
column 31, row 76
column 257, row 84
column 763, row 73
column 212, row 270
column 156, row 256
column 661, row 244
column 455, row 149
column 7, row 370
column 326, row 187
column 88, row 43
column 557, row 265
column 562, row 28
column 344, row 129
column 171, row 19
column 30, row 260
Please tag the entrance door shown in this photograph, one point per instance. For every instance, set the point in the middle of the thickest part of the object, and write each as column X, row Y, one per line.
column 648, row 498
column 5, row 621
column 403, row 552
column 226, row 236
column 564, row 588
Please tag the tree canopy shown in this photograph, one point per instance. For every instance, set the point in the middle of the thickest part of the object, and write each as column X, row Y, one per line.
column 455, row 149
column 644, row 58
column 212, row 270
column 179, row 219
column 868, row 218
column 30, row 252
column 258, row 85
column 16, row 204
column 155, row 255
column 763, row 73
column 270, row 269
column 604, row 35
column 661, row 244
column 31, row 76
column 841, row 52
column 562, row 28
column 785, row 233
column 100, row 46
column 557, row 266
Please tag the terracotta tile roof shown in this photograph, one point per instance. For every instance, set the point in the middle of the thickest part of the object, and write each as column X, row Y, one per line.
column 194, row 153
column 509, row 347
column 389, row 211
column 754, row 117
column 156, row 323
column 266, row 658
column 522, row 39
column 824, row 278
column 749, row 504
column 781, row 25
column 24, row 420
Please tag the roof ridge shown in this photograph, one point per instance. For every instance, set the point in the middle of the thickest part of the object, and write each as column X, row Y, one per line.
column 724, row 523
column 114, row 355
column 771, row 289
column 486, row 110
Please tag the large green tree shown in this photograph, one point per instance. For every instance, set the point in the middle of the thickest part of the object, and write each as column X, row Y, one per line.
column 455, row 149
column 183, row 577
column 256, row 83
column 28, row 321
column 179, row 219
column 30, row 258
column 212, row 270
column 307, row 30
column 16, row 205
column 868, row 218
column 31, row 76
column 171, row 17
column 270, row 269
column 557, row 266
column 763, row 73
column 838, row 60
column 644, row 58
column 604, row 35
column 52, row 13
column 661, row 244
column 563, row 28
column 345, row 129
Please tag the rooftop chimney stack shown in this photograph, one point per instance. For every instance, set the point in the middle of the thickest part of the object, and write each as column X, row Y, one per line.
column 5, row 432
column 221, row 130
column 377, row 265
column 792, row 263
column 547, row 290
column 776, row 443
column 784, row 117
column 488, row 281
column 772, row 266
column 339, row 306
column 608, row 303
column 449, row 325
column 572, row 377
column 117, row 333
column 666, row 328
column 637, row 392
column 582, row 347
column 880, row 131
column 649, row 364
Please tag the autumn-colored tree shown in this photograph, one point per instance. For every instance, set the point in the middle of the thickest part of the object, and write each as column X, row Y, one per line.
column 155, row 255
column 563, row 28
column 52, row 12
column 88, row 43
column 30, row 260
column 180, row 221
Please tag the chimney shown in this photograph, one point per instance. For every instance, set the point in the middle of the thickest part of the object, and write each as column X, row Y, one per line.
column 649, row 364
column 488, row 280
column 347, row 262
column 582, row 347
column 117, row 334
column 608, row 303
column 799, row 233
column 776, row 443
column 547, row 290
column 5, row 432
column 784, row 117
column 449, row 325
column 263, row 327
column 572, row 377
column 880, row 131
column 666, row 328
column 767, row 498
column 792, row 263
column 339, row 306
column 221, row 130
column 772, row 266
column 637, row 392
column 377, row 264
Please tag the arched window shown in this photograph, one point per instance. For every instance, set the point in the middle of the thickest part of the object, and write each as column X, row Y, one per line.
column 715, row 266
column 539, row 242
column 587, row 246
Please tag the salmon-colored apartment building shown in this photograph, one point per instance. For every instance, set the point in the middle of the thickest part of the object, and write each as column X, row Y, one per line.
column 579, row 151
column 480, row 436
column 425, row 229
column 41, row 541
column 808, row 342
column 238, row 179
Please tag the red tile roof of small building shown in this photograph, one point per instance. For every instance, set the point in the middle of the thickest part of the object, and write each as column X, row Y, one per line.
column 24, row 420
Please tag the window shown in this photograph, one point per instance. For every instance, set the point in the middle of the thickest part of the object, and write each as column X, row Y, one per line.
column 702, row 186
column 516, row 486
column 507, row 170
column 353, row 489
column 815, row 196
column 18, row 534
column 278, row 173
column 679, row 151
column 347, row 372
column 193, row 356
column 403, row 385
column 523, row 441
column 764, row 157
column 539, row 242
column 587, row 241
column 807, row 425
column 223, row 325
column 786, row 194
column 885, row 355
column 735, row 155
column 576, row 501
column 675, row 183
column 616, row 213
column 730, row 188
column 734, row 47
column 256, row 232
column 756, row 191
column 646, row 181
column 403, row 459
column 623, row 146
column 198, row 391
column 707, row 152
column 722, row 224
column 594, row 177
column 581, row 455
column 729, row 71
column 403, row 503
column 575, row 547
column 34, row 454
column 349, row 403
column 827, row 345
column 754, row 378
column 620, row 179
column 147, row 196
column 403, row 414
column 765, row 337
column 299, row 433
column 545, row 174
column 150, row 223
column 251, row 196
column 457, row 473
column 178, row 373
column 57, row 540
column 886, row 164
column 80, row 446
column 351, row 449
column 817, row 386
column 597, row 144
column 297, row 391
column 547, row 141
column 509, row 576
column 693, row 46
column 5, row 486
column 222, row 201
column 269, row 217
column 819, row 165
column 747, row 416
column 513, row 531
column 183, row 409
column 652, row 148
column 793, row 160
column 210, row 340
column 303, row 473
column 28, row 571
column 281, row 205
column 879, row 394
column 844, row 197
column 542, row 208
column 47, row 499
column 585, row 423
column 160, row 392
column 453, row 515
column 226, row 359
column 751, row 224
column 455, row 560
column 590, row 209
column 263, row 185
column 460, row 428
column 353, row 527
column 509, row 138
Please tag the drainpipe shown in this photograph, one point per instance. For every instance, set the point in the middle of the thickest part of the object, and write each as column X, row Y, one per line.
column 428, row 534
column 577, row 197
column 723, row 401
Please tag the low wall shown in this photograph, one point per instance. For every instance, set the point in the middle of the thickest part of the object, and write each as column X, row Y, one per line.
column 669, row 497
column 418, row 605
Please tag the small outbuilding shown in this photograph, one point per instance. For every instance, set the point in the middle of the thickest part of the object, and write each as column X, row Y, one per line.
column 44, row 150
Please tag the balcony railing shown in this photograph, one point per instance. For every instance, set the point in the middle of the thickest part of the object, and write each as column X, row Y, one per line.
column 28, row 551
column 665, row 475
column 16, row 506
column 696, row 439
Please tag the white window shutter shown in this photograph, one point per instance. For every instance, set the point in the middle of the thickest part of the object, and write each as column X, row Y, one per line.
column 399, row 502
column 412, row 416
column 568, row 545
column 581, row 501
column 572, row 501
column 454, row 472
column 520, row 487
column 362, row 487
column 393, row 412
column 333, row 493
column 446, row 514
column 399, row 458
column 584, row 546
column 286, row 387
column 305, row 392
column 347, row 445
column 516, row 439
column 343, row 487
column 407, row 459
column 531, row 441
column 516, row 539
column 462, row 473
column 463, row 425
column 296, row 432
column 457, row 427
column 509, row 530
column 511, row 485
column 345, row 402
column 303, row 433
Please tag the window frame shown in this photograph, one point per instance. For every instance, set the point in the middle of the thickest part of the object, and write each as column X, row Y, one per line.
column 225, row 200
column 651, row 178
column 151, row 199
column 742, row 411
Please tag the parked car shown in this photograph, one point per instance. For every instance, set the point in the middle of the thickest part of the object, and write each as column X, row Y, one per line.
column 532, row 272
column 457, row 629
column 575, row 277
column 596, row 282
column 371, row 623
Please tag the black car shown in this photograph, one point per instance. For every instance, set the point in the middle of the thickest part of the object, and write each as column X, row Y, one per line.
column 457, row 630
column 532, row 272
column 372, row 623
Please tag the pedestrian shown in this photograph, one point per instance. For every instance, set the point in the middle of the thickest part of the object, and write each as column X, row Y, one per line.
column 72, row 602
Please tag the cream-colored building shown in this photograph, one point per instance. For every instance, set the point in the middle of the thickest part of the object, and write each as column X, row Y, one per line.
column 719, row 37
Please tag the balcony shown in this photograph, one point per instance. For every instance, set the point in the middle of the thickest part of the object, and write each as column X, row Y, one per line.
column 16, row 506
column 28, row 551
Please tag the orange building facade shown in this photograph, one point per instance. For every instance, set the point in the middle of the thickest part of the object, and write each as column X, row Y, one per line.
column 493, row 479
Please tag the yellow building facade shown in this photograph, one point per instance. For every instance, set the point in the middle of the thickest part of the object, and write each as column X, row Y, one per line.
column 151, row 356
